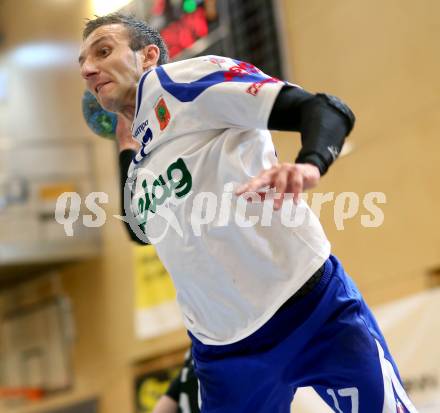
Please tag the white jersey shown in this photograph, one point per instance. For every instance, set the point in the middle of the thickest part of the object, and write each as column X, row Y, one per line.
column 203, row 126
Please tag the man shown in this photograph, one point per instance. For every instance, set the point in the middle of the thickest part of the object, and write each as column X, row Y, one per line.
column 267, row 307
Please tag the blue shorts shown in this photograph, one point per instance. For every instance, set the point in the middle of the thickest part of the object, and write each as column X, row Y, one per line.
column 327, row 339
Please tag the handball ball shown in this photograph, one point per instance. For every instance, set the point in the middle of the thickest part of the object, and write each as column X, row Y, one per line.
column 100, row 121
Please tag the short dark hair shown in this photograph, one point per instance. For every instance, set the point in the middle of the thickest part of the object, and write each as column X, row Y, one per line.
column 139, row 32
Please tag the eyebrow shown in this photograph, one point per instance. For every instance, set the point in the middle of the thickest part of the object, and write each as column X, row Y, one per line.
column 81, row 57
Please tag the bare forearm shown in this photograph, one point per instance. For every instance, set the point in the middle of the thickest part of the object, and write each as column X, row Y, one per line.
column 166, row 405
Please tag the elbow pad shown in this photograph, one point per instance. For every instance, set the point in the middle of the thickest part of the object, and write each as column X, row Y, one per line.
column 341, row 107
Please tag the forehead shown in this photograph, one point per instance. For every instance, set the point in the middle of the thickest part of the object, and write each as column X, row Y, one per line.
column 113, row 32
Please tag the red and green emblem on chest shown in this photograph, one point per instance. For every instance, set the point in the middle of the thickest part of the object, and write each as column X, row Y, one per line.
column 162, row 113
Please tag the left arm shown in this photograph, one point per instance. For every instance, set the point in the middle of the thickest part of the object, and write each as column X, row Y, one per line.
column 323, row 121
column 128, row 148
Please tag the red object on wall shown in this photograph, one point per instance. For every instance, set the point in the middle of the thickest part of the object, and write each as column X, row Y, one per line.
column 182, row 34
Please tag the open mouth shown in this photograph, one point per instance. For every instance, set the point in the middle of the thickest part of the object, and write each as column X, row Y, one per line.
column 100, row 86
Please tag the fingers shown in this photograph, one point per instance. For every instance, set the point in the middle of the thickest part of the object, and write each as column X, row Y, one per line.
column 285, row 178
column 289, row 180
column 280, row 183
column 295, row 182
column 259, row 182
column 311, row 176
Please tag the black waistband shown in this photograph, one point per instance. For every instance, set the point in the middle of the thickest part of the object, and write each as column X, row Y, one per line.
column 307, row 287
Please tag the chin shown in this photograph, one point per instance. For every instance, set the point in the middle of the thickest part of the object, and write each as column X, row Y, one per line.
column 108, row 104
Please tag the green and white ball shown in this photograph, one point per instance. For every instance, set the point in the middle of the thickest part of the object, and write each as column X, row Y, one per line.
column 99, row 120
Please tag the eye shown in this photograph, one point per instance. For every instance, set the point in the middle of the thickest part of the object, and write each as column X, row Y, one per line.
column 104, row 51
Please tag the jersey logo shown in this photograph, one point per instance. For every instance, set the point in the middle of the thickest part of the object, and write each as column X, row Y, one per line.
column 216, row 61
column 148, row 134
column 176, row 181
column 256, row 86
column 333, row 151
column 188, row 91
column 162, row 113
column 240, row 70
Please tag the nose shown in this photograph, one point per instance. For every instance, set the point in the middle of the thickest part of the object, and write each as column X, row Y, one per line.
column 88, row 69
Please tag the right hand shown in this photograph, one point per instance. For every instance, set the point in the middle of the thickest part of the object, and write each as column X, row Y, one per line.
column 286, row 178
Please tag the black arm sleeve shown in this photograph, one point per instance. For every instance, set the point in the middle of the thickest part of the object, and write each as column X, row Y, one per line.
column 186, row 383
column 175, row 388
column 125, row 158
column 323, row 121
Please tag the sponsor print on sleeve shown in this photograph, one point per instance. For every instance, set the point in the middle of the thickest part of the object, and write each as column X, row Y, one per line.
column 255, row 87
column 239, row 70
column 242, row 69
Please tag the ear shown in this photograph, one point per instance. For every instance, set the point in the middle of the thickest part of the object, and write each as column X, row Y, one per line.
column 150, row 56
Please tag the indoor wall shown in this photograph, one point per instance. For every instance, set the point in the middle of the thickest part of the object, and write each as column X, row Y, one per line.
column 381, row 58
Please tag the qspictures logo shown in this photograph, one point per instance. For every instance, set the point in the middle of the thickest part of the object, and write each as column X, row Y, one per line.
column 152, row 203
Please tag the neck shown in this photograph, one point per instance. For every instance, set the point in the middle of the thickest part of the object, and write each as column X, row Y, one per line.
column 128, row 113
column 128, row 109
